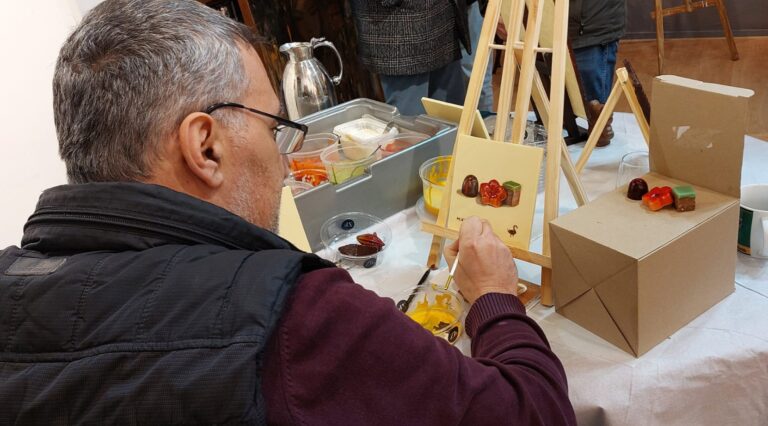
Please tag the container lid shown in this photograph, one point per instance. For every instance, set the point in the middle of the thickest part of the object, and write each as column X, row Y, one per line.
column 364, row 130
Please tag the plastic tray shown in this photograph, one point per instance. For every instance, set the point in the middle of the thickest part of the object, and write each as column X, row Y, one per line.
column 390, row 185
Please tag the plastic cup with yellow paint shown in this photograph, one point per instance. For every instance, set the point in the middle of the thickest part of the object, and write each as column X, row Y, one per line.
column 439, row 311
column 434, row 177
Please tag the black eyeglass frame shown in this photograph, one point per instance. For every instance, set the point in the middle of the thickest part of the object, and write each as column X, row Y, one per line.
column 280, row 121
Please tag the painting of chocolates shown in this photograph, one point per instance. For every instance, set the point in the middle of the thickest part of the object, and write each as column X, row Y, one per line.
column 497, row 182
column 492, row 193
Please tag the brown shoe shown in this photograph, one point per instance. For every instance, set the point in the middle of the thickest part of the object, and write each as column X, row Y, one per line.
column 593, row 112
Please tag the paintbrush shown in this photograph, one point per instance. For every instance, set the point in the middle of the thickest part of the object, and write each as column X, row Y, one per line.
column 403, row 305
column 451, row 272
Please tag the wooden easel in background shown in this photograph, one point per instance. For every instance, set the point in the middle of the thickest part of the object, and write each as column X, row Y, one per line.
column 522, row 54
column 627, row 83
column 689, row 6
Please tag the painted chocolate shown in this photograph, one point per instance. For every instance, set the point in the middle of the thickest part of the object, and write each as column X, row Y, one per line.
column 470, row 186
column 514, row 190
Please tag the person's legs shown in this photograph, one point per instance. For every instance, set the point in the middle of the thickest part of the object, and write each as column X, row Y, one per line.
column 609, row 64
column 405, row 91
column 447, row 84
column 596, row 65
column 588, row 61
column 467, row 60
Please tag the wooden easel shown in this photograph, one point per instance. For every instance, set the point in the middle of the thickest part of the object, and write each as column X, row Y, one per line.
column 689, row 6
column 522, row 54
column 628, row 84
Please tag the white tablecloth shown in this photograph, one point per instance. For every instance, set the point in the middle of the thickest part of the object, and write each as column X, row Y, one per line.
column 714, row 371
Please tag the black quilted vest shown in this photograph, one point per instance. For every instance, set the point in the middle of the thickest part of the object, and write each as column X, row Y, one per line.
column 134, row 304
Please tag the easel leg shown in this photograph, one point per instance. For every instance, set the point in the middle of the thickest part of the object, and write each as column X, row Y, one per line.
column 547, row 298
column 725, row 22
column 622, row 77
column 597, row 129
column 541, row 102
column 660, row 35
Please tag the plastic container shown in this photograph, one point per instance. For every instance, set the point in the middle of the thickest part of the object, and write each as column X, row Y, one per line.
column 309, row 155
column 389, row 185
column 366, row 133
column 395, row 143
column 342, row 230
column 344, row 163
column 297, row 187
column 434, row 177
column 439, row 311
column 313, row 177
column 536, row 135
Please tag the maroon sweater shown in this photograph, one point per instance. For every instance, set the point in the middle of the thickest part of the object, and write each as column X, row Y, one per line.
column 343, row 355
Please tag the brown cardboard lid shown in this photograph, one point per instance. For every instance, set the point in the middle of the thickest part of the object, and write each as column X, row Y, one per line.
column 697, row 132
column 627, row 226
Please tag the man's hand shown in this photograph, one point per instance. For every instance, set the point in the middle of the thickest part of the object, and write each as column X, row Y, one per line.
column 486, row 264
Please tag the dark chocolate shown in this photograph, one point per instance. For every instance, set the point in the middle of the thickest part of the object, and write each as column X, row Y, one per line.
column 358, row 250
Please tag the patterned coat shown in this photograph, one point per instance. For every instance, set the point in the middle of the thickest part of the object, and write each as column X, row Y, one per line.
column 406, row 37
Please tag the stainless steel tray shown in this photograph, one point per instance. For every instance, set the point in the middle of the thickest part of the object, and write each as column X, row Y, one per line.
column 392, row 184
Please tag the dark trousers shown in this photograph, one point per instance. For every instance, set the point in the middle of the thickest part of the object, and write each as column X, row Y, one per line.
column 405, row 91
column 596, row 67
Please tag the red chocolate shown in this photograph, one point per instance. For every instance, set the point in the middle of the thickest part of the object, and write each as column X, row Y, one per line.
column 492, row 194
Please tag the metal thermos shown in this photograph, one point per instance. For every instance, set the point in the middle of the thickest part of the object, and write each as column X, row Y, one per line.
column 307, row 87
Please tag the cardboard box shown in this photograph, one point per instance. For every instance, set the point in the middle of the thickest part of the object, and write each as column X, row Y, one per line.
column 633, row 276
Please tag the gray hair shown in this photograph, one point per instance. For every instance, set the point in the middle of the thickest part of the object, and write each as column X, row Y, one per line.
column 130, row 73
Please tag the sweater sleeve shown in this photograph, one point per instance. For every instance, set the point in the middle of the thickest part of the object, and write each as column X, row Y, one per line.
column 343, row 355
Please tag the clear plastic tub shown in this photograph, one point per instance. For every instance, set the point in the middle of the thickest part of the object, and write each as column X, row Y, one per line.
column 313, row 177
column 439, row 311
column 434, row 177
column 342, row 231
column 309, row 155
column 344, row 163
column 392, row 144
column 366, row 133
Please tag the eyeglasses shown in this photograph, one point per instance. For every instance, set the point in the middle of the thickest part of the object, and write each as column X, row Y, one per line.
column 289, row 135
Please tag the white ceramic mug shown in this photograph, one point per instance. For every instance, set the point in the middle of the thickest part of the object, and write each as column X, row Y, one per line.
column 753, row 221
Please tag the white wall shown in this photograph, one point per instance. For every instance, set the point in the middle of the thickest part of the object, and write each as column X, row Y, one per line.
column 30, row 38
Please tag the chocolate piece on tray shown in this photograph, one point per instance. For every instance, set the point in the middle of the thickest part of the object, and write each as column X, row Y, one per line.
column 358, row 250
column 636, row 189
column 513, row 192
column 371, row 240
column 658, row 197
column 685, row 198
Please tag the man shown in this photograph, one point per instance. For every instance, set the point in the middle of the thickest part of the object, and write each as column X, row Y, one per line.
column 594, row 30
column 151, row 290
column 415, row 48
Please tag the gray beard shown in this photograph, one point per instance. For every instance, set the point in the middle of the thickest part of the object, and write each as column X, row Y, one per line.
column 245, row 204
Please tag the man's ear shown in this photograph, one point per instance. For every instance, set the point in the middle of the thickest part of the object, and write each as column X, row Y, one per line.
column 202, row 146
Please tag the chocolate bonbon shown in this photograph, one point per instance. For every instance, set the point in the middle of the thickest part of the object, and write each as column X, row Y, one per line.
column 685, row 198
column 637, row 188
column 658, row 198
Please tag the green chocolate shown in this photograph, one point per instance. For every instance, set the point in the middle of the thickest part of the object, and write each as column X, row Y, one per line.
column 511, row 185
column 683, row 192
column 513, row 193
column 685, row 198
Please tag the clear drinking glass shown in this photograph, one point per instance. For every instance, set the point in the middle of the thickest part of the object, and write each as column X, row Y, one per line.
column 633, row 165
column 536, row 135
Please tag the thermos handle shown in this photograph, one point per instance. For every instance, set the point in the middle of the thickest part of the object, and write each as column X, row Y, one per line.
column 765, row 235
column 318, row 42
